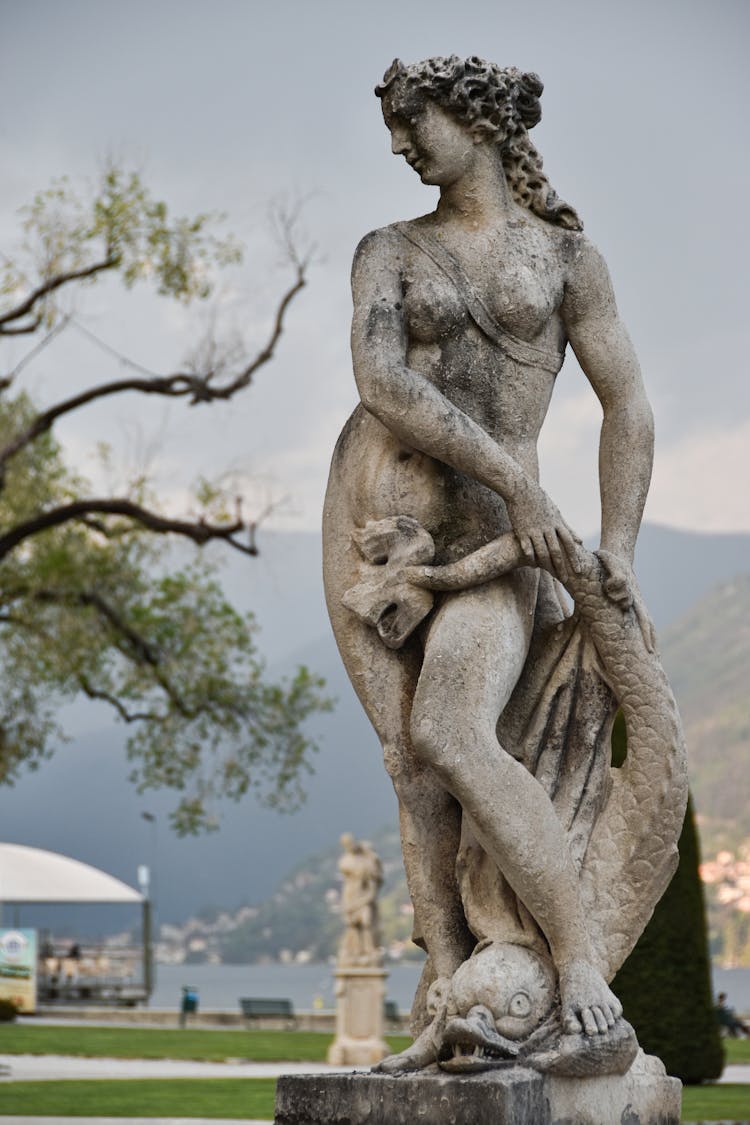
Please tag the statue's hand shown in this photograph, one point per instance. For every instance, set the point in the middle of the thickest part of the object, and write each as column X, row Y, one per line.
column 543, row 535
column 621, row 587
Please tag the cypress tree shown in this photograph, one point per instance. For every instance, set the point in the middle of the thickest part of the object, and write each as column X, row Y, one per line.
column 665, row 984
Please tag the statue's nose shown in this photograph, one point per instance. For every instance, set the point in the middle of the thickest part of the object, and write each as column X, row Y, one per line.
column 482, row 1014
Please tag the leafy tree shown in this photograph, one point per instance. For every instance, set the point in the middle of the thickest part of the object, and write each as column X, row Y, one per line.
column 87, row 606
column 665, row 984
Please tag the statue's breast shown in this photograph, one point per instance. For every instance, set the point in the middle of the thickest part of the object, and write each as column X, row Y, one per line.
column 433, row 309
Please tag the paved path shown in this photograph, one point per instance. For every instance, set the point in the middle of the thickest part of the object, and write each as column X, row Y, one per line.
column 50, row 1068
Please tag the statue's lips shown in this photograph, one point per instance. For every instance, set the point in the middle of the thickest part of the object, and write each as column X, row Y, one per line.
column 475, row 1043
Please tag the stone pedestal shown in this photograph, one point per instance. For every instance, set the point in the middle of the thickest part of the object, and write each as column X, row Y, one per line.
column 516, row 1096
column 359, row 1017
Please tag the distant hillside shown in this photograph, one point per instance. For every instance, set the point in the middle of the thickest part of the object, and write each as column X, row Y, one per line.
column 303, row 916
column 707, row 656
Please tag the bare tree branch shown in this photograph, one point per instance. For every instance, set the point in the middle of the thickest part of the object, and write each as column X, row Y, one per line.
column 22, row 329
column 199, row 531
column 6, row 381
column 26, row 307
column 199, row 388
column 128, row 716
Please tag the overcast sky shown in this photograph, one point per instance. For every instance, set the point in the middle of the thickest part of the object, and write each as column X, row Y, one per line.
column 231, row 103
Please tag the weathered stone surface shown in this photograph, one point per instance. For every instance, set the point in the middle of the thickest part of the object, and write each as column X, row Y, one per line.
column 533, row 866
column 360, row 995
column 511, row 1097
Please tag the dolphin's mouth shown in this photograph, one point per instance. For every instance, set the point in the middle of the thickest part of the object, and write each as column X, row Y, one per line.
column 473, row 1044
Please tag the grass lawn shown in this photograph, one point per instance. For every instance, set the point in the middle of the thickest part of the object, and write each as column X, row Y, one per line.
column 716, row 1103
column 147, row 1097
column 736, row 1050
column 248, row 1097
column 170, row 1043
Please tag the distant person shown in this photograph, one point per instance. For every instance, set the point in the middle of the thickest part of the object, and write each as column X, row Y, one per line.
column 189, row 1003
column 729, row 1021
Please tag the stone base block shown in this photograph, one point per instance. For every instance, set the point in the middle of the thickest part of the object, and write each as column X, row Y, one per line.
column 516, row 1096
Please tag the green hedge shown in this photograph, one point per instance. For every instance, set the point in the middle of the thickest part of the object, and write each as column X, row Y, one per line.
column 665, row 984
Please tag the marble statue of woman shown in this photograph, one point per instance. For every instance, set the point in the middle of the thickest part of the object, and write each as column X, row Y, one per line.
column 461, row 321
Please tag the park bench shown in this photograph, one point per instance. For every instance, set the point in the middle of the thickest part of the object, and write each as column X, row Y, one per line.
column 391, row 1013
column 260, row 1007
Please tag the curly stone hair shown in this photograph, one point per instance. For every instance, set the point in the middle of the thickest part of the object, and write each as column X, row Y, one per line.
column 496, row 103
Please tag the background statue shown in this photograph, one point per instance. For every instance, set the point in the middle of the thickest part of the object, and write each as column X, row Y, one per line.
column 532, row 865
column 363, row 877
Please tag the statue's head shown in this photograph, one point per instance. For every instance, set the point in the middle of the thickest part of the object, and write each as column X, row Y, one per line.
column 494, row 103
column 515, row 984
column 502, row 1006
column 490, row 104
column 498, row 1000
column 347, row 842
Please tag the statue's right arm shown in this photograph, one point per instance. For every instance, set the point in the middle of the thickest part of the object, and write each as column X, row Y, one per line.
column 406, row 402
column 415, row 411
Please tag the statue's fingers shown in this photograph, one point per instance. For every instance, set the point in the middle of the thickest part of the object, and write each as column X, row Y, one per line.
column 572, row 1025
column 601, row 1020
column 589, row 1023
column 609, row 1015
column 527, row 547
column 571, row 545
column 556, row 553
column 541, row 551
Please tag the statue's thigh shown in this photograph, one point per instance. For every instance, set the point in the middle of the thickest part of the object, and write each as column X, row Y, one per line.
column 476, row 646
column 384, row 680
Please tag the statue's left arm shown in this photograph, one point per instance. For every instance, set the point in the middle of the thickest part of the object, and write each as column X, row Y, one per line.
column 606, row 355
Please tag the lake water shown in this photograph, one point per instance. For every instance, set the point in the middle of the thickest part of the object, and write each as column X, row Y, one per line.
column 220, row 986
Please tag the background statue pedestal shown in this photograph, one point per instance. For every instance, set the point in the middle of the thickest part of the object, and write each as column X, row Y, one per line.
column 516, row 1096
column 359, row 1039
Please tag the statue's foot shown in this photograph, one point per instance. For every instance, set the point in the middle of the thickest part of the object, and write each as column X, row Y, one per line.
column 588, row 1004
column 422, row 1052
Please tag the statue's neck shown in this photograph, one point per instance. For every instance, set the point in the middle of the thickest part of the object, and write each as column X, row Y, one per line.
column 481, row 197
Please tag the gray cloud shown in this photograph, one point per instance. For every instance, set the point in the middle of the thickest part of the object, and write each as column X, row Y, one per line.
column 226, row 104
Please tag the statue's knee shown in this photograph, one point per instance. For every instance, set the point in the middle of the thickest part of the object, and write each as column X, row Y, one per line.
column 431, row 737
column 402, row 766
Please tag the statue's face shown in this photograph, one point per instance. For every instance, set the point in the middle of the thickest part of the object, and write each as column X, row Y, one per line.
column 434, row 143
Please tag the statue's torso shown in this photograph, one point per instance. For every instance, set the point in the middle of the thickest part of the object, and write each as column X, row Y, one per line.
column 520, row 279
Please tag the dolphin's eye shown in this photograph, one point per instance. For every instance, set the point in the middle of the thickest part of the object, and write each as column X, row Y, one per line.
column 520, row 1005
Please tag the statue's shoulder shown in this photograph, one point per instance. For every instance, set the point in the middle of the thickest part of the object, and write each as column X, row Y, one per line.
column 381, row 245
column 389, row 245
column 585, row 264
